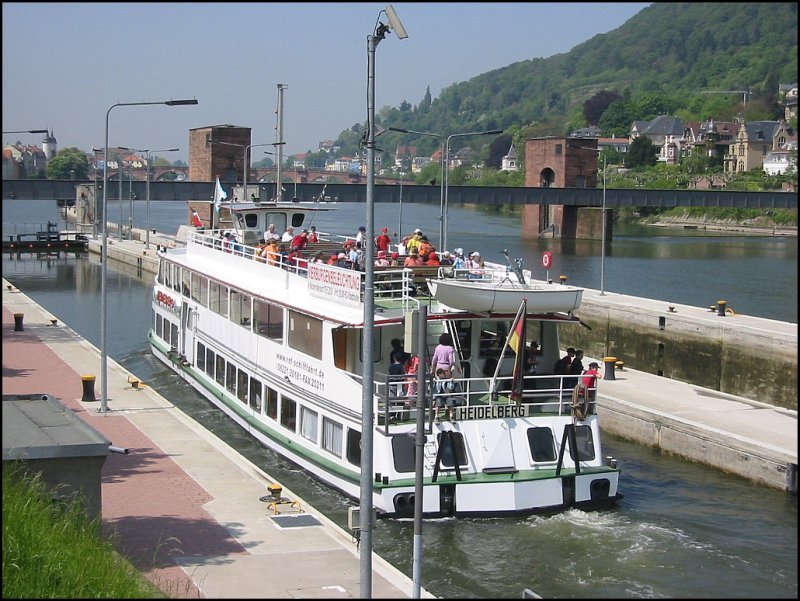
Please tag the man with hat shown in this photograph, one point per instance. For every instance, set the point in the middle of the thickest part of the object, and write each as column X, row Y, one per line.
column 383, row 240
column 360, row 235
column 381, row 260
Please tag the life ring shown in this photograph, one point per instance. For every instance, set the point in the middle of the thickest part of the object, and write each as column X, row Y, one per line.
column 580, row 410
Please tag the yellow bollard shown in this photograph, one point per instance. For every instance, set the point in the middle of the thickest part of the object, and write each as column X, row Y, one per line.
column 608, row 372
column 88, row 389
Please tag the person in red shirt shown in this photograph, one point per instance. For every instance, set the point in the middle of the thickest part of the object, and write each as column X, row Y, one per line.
column 300, row 241
column 433, row 258
column 383, row 241
column 413, row 259
column 587, row 387
column 312, row 235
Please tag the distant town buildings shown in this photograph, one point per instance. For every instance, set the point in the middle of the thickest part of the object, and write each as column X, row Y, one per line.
column 21, row 161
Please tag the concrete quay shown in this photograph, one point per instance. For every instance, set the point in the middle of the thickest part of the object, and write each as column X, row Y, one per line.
column 185, row 507
column 753, row 439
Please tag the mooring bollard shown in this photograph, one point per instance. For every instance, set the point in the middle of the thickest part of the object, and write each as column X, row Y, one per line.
column 18, row 322
column 88, row 389
column 721, row 304
column 563, row 279
column 608, row 372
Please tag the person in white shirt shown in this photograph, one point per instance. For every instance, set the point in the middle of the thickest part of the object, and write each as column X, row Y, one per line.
column 288, row 234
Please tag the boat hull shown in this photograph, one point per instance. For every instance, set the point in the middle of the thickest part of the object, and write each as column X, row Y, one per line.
column 506, row 297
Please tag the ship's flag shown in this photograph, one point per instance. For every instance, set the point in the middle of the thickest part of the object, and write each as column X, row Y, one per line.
column 219, row 195
column 517, row 343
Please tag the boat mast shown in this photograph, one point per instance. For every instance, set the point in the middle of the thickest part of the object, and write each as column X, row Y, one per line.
column 279, row 142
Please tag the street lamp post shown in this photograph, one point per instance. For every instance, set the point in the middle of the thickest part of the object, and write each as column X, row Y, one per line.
column 148, row 152
column 368, row 382
column 95, row 207
column 246, row 149
column 446, row 170
column 104, row 253
column 603, row 217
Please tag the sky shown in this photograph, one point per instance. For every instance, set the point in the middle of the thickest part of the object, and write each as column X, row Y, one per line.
column 66, row 64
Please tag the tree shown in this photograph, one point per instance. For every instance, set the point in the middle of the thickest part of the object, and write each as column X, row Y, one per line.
column 641, row 152
column 498, row 149
column 594, row 108
column 69, row 163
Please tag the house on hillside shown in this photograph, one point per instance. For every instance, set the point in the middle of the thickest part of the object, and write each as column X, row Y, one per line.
column 664, row 132
column 22, row 161
column 509, row 161
column 711, row 138
column 788, row 92
column 754, row 140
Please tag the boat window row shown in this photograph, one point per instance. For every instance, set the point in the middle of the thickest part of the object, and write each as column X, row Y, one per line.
column 264, row 400
column 266, row 319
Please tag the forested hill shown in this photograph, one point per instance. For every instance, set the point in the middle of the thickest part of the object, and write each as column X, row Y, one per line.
column 664, row 60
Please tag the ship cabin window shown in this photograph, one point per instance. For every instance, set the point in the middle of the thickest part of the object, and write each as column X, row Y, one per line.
column 403, row 452
column 218, row 298
column 242, row 385
column 297, row 219
column 200, row 289
column 255, row 395
column 272, row 402
column 305, row 334
column 164, row 274
column 452, row 446
column 173, row 328
column 585, row 444
column 176, row 278
column 354, row 447
column 200, row 356
column 308, row 423
column 464, row 329
column 230, row 378
column 240, row 308
column 541, row 444
column 268, row 320
column 279, row 219
column 159, row 326
column 332, row 436
column 220, row 371
column 288, row 413
column 211, row 361
column 186, row 280
column 493, row 337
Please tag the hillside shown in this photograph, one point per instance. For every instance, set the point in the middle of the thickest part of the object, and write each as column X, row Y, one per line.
column 664, row 60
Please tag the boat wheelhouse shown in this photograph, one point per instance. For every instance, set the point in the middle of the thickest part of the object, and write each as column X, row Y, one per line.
column 277, row 346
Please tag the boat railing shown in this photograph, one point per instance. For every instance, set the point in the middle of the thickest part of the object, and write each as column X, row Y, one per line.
column 549, row 394
column 392, row 285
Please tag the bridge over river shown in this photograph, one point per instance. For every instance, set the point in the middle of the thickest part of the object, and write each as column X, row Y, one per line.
column 459, row 195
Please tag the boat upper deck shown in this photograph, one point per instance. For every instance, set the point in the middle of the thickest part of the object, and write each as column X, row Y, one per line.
column 322, row 289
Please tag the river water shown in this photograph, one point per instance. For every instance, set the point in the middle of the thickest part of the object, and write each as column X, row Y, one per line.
column 682, row 530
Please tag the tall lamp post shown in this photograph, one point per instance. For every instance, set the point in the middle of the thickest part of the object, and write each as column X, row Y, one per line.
column 246, row 149
column 148, row 152
column 368, row 382
column 603, row 216
column 446, row 160
column 104, row 254
column 441, row 182
column 94, row 220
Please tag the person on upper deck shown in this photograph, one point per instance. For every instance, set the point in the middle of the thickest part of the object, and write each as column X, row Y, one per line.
column 383, row 241
column 433, row 258
column 271, row 234
column 575, row 369
column 300, row 241
column 288, row 234
column 414, row 241
column 412, row 260
column 362, row 230
column 459, row 262
column 312, row 234
column 381, row 260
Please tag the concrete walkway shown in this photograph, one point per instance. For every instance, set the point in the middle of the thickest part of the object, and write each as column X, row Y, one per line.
column 185, row 506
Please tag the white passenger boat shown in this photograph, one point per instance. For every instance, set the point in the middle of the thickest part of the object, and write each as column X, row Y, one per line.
column 278, row 348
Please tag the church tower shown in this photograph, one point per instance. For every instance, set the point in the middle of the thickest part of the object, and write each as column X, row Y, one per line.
column 49, row 145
